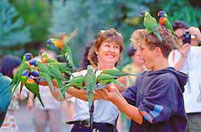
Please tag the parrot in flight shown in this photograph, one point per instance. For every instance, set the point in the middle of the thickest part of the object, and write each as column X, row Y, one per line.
column 23, row 66
column 151, row 24
column 164, row 22
column 62, row 44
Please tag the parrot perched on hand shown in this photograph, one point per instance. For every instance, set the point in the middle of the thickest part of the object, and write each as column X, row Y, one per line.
column 23, row 66
column 151, row 24
column 62, row 44
column 116, row 73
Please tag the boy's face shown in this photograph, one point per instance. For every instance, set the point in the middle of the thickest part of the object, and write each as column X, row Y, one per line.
column 147, row 55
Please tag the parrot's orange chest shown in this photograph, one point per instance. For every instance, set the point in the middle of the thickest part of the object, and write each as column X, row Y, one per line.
column 162, row 21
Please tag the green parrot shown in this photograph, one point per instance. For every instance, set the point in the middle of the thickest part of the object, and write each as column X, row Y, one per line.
column 103, row 79
column 32, row 86
column 63, row 67
column 23, row 66
column 90, row 84
column 66, row 51
column 151, row 24
column 78, row 82
column 17, row 78
column 163, row 20
column 117, row 73
column 44, row 72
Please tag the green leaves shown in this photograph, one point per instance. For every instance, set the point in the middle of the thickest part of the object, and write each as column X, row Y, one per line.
column 13, row 34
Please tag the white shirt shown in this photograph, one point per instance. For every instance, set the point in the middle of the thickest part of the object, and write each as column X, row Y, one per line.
column 104, row 111
column 192, row 67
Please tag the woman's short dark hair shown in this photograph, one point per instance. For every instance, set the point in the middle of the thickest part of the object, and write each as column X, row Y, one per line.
column 131, row 51
column 85, row 61
column 179, row 24
column 8, row 63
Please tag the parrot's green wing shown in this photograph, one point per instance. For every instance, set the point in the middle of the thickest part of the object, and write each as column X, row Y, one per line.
column 151, row 25
column 17, row 77
column 34, row 88
column 90, row 84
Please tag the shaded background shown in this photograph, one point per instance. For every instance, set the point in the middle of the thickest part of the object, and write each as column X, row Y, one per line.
column 25, row 25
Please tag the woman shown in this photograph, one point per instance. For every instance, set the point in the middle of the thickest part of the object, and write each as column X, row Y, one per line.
column 104, row 54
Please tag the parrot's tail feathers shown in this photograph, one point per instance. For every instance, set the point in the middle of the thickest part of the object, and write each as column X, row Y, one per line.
column 39, row 97
column 158, row 36
column 21, row 86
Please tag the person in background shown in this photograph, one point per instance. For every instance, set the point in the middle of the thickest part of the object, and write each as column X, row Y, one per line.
column 187, row 59
column 9, row 67
column 85, row 61
column 136, row 66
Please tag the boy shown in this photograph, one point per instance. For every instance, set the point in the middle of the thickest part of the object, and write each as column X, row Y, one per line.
column 155, row 102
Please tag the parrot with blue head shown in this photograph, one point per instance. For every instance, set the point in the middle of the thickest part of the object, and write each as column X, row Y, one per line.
column 164, row 22
column 62, row 45
column 23, row 66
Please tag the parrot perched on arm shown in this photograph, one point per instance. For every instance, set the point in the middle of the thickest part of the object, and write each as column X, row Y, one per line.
column 23, row 66
column 103, row 79
column 78, row 82
column 151, row 24
column 90, row 84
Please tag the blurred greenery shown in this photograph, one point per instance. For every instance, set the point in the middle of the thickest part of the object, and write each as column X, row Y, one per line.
column 48, row 17
column 12, row 32
column 36, row 14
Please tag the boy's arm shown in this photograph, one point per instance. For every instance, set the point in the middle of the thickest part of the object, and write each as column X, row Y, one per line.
column 113, row 95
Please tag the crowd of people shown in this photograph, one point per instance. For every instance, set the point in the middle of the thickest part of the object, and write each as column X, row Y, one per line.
column 164, row 97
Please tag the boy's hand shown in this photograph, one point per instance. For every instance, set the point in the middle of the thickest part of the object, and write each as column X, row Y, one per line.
column 109, row 93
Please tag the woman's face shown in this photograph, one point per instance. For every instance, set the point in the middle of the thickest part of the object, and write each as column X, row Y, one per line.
column 137, row 58
column 108, row 52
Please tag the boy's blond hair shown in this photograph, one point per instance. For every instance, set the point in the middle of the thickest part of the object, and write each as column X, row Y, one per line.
column 166, row 46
